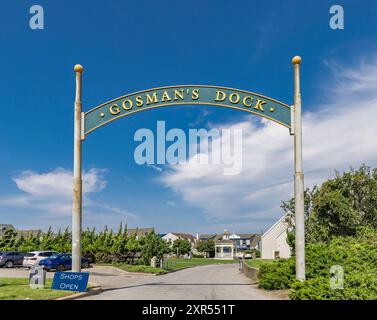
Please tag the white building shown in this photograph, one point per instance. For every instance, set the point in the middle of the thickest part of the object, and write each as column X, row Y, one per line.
column 172, row 236
column 274, row 241
column 232, row 245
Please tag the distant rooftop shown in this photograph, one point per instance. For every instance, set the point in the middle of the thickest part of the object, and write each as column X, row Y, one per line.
column 140, row 232
column 183, row 235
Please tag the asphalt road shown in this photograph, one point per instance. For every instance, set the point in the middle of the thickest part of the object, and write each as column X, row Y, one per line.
column 211, row 282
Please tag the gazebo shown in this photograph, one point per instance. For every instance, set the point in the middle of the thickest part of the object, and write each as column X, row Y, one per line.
column 224, row 249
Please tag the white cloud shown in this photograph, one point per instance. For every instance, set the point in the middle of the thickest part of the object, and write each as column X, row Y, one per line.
column 50, row 194
column 58, row 182
column 154, row 167
column 337, row 134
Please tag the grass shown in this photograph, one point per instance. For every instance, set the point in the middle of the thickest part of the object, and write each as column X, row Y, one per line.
column 19, row 289
column 171, row 264
column 256, row 263
column 136, row 268
column 178, row 263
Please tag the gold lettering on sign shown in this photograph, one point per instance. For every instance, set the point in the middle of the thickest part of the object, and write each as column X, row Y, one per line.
column 152, row 99
column 165, row 97
column 124, row 104
column 232, row 100
column 195, row 94
column 179, row 94
column 220, row 96
column 139, row 101
column 244, row 101
column 259, row 105
column 114, row 109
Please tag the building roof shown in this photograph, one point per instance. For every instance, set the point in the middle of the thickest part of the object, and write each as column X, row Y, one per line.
column 207, row 236
column 26, row 233
column 245, row 235
column 255, row 239
column 140, row 232
column 275, row 224
column 227, row 242
column 184, row 236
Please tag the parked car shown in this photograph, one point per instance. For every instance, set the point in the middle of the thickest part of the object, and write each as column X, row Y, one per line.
column 11, row 259
column 33, row 258
column 61, row 262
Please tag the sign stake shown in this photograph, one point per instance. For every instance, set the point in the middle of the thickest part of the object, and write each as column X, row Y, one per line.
column 299, row 176
column 77, row 181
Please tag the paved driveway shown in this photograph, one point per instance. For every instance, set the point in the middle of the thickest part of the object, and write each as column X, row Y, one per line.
column 222, row 282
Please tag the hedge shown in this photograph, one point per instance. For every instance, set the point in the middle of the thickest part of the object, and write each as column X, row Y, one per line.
column 356, row 255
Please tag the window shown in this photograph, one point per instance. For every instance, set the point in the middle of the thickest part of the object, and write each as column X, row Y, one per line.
column 226, row 249
column 49, row 254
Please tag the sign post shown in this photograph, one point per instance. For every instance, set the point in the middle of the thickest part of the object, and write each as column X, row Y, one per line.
column 299, row 176
column 247, row 101
column 77, row 182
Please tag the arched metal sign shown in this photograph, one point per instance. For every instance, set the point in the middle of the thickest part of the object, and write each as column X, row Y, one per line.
column 187, row 95
column 288, row 116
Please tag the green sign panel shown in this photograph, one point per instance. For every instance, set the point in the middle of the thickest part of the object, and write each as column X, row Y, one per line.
column 187, row 95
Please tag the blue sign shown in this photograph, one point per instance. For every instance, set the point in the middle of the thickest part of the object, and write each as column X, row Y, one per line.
column 72, row 281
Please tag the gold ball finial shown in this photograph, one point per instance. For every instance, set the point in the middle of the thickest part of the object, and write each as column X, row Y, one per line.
column 296, row 60
column 78, row 68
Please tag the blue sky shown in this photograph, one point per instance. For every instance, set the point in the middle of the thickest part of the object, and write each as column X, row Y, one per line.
column 125, row 47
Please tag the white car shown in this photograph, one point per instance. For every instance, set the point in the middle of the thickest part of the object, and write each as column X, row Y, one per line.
column 32, row 258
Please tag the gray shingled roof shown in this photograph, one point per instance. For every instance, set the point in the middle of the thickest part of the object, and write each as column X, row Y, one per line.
column 139, row 232
column 207, row 236
column 183, row 235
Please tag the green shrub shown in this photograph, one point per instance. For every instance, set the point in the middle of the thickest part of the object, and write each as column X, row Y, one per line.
column 357, row 286
column 277, row 275
column 356, row 255
column 105, row 246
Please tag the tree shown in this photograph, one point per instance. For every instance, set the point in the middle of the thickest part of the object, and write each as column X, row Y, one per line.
column 47, row 239
column 8, row 240
column 207, row 246
column 339, row 206
column 152, row 246
column 132, row 247
column 181, row 247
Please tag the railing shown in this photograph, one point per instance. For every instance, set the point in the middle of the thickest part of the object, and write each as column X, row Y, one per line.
column 224, row 255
